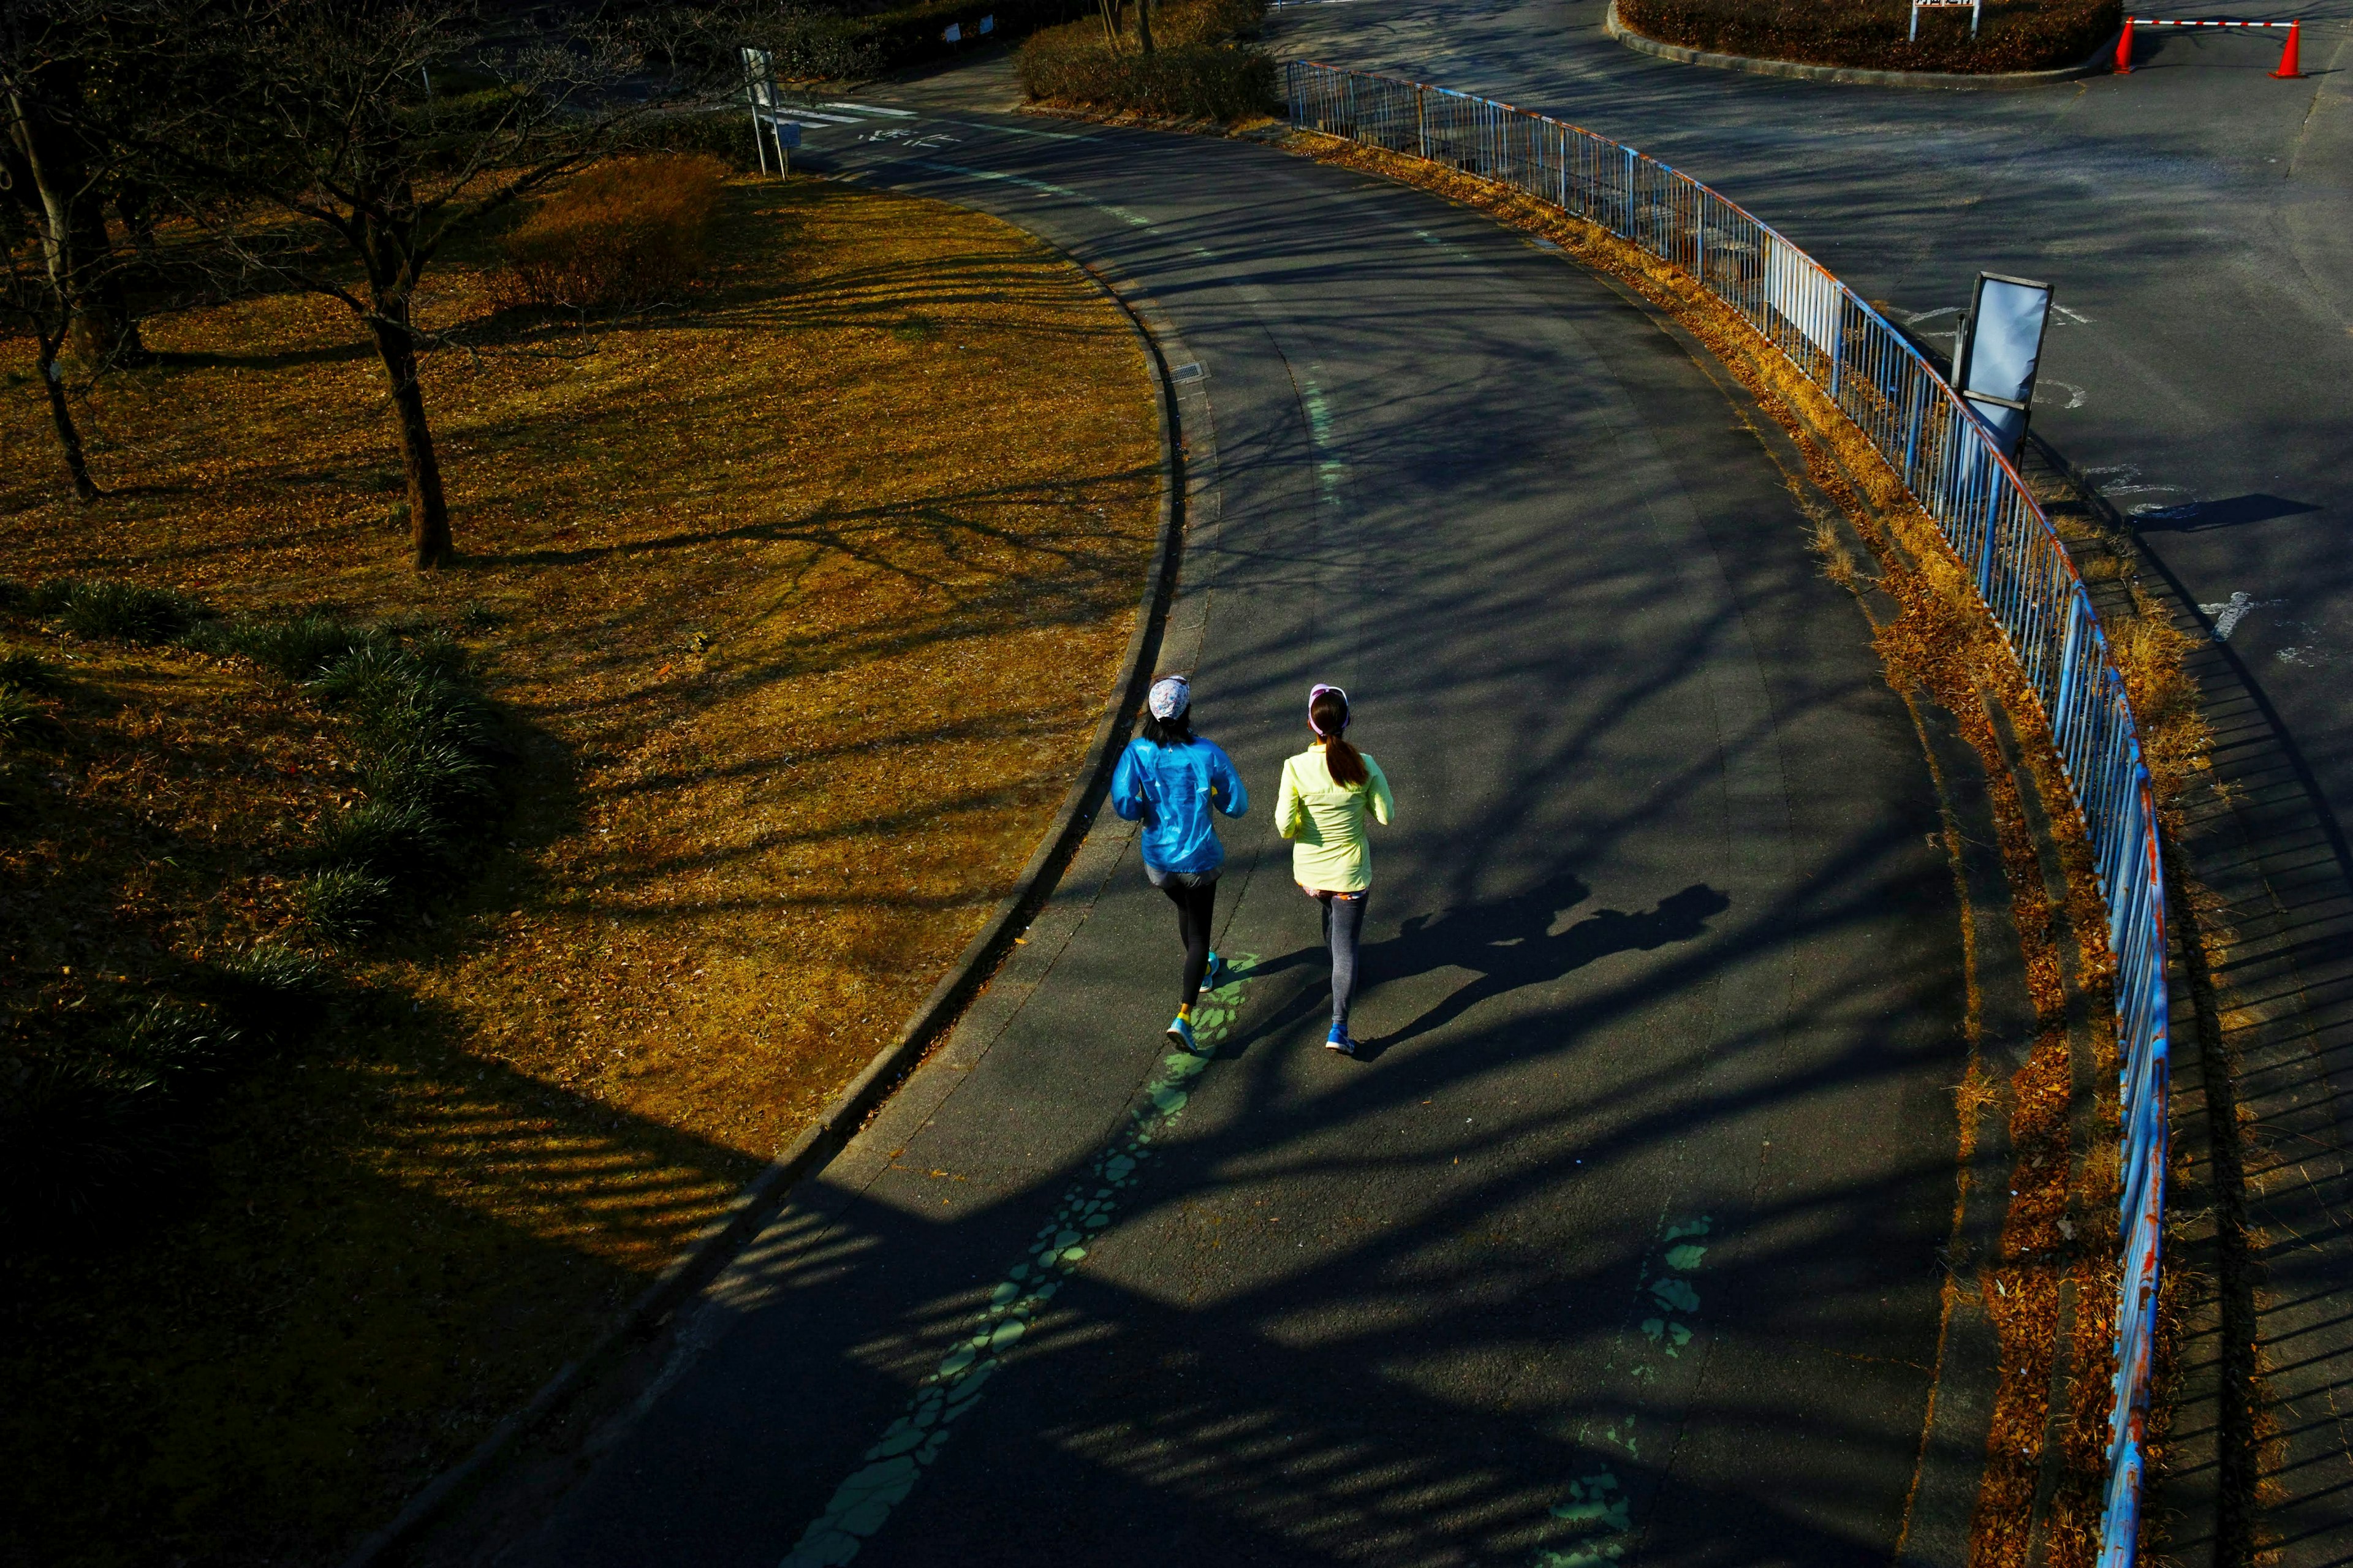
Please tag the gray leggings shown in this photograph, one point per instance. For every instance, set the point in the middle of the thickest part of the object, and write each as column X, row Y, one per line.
column 1344, row 922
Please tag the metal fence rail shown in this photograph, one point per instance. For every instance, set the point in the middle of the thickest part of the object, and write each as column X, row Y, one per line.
column 1948, row 461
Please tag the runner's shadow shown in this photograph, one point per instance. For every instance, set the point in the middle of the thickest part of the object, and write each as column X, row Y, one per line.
column 1510, row 944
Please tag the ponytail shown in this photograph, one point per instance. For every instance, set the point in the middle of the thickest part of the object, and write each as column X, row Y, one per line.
column 1327, row 715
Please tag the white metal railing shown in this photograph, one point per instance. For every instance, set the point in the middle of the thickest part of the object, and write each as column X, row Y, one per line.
column 1952, row 464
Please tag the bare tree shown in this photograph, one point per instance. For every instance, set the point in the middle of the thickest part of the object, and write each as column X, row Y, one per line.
column 30, row 300
column 339, row 146
column 61, row 274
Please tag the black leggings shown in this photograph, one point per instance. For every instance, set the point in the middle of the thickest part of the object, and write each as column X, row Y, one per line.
column 1195, row 906
column 1344, row 922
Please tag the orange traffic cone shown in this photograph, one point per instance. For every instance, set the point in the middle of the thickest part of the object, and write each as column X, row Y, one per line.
column 2123, row 49
column 2288, row 65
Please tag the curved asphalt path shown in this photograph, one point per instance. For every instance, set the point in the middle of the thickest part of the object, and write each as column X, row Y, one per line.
column 1623, row 1239
column 2197, row 220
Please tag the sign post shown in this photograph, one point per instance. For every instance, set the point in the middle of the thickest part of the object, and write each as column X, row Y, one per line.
column 1918, row 5
column 760, row 89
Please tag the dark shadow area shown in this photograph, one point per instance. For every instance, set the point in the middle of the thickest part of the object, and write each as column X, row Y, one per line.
column 2196, row 516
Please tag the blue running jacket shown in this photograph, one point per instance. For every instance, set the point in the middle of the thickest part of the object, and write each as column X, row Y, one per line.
column 1170, row 789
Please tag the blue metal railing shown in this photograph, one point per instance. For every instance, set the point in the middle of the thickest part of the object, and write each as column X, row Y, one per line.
column 1950, row 462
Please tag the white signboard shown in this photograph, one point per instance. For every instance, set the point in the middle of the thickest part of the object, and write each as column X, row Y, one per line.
column 2000, row 351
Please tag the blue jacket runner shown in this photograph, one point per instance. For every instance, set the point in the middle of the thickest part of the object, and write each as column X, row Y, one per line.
column 1170, row 789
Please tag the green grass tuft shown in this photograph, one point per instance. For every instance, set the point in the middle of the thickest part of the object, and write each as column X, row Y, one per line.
column 343, row 904
column 28, row 672
column 125, row 612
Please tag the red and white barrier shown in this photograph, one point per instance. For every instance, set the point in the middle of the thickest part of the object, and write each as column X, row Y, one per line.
column 2289, row 66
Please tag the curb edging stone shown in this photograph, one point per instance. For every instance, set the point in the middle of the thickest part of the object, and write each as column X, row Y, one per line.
column 1856, row 75
column 717, row 1242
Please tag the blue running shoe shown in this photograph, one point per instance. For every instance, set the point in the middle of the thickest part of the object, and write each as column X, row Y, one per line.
column 1180, row 1032
column 1340, row 1042
column 1215, row 974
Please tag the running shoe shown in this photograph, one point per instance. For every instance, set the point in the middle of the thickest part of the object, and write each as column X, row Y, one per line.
column 1214, row 974
column 1340, row 1042
column 1180, row 1031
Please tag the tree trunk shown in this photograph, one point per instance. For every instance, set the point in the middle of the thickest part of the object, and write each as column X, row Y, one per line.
column 53, row 378
column 1143, row 26
column 74, row 246
column 104, row 331
column 428, row 512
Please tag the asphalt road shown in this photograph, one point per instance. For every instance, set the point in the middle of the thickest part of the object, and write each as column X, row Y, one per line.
column 2197, row 220
column 1620, row 1240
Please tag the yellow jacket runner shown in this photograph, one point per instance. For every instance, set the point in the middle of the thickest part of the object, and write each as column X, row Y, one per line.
column 1326, row 821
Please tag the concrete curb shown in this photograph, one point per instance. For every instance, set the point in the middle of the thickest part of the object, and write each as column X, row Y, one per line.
column 1855, row 76
column 716, row 1243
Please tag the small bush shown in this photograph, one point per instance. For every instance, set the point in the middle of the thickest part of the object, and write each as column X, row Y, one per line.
column 272, row 993
column 1188, row 81
column 28, row 672
column 176, row 1043
column 392, row 841
column 434, row 777
column 626, row 233
column 342, row 904
column 23, row 722
column 299, row 647
column 725, row 135
column 2012, row 35
column 124, row 611
column 1196, row 72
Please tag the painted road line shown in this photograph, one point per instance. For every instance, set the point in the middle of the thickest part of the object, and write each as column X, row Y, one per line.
column 889, row 1470
column 2227, row 616
column 811, row 117
column 1021, row 130
column 873, row 108
column 1136, row 220
column 1597, row 1508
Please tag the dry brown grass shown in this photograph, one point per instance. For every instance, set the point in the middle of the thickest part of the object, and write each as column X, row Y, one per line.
column 805, row 601
column 630, row 232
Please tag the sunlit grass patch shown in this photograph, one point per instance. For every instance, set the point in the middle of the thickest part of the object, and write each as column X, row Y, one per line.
column 797, row 607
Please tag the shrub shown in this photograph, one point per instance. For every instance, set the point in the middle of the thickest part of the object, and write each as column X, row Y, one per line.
column 174, row 1043
column 2012, row 35
column 1195, row 72
column 624, row 233
column 125, row 611
column 300, row 647
column 24, row 723
column 26, row 672
column 391, row 841
column 1206, row 82
column 272, row 993
column 342, row 904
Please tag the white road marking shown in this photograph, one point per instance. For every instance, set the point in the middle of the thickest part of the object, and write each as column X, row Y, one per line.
column 2227, row 616
column 875, row 108
column 2074, row 393
column 2077, row 317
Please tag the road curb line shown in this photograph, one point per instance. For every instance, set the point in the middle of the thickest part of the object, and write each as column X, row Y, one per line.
column 716, row 1243
column 1856, row 75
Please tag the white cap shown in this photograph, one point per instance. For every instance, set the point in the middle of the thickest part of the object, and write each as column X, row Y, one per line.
column 1169, row 698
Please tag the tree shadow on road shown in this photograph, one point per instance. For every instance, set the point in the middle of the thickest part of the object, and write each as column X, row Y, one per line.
column 1507, row 944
